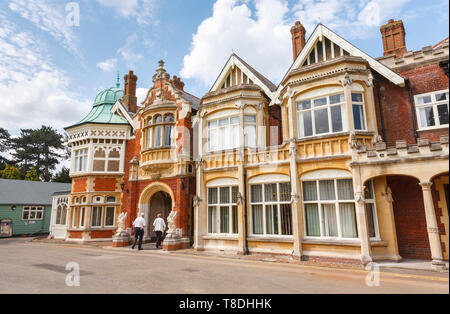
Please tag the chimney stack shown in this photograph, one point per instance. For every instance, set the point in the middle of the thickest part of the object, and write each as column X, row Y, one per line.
column 298, row 33
column 393, row 35
column 176, row 81
column 129, row 97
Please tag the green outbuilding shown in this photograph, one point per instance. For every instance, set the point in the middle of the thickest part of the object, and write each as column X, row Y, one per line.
column 27, row 206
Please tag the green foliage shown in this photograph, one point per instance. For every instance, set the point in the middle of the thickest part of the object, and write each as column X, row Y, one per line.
column 32, row 175
column 62, row 176
column 5, row 139
column 10, row 172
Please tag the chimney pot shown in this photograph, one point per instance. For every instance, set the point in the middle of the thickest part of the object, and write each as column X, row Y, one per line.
column 393, row 36
column 129, row 97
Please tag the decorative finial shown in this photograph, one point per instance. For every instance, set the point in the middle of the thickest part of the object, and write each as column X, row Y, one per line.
column 118, row 80
column 319, row 19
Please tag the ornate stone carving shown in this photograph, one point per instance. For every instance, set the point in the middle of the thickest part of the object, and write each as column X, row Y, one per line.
column 347, row 81
column 359, row 195
column 197, row 200
column 292, row 149
column 240, row 198
column 353, row 143
column 171, row 222
column 161, row 72
column 240, row 105
column 121, row 222
column 369, row 81
column 295, row 199
column 388, row 195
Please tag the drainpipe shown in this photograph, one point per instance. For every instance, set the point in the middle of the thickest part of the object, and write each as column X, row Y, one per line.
column 383, row 129
column 413, row 110
column 246, row 252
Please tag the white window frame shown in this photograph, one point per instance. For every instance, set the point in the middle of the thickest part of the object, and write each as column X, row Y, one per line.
column 334, row 202
column 114, row 216
column 61, row 206
column 216, row 207
column 100, row 219
column 263, row 203
column 81, row 160
column 433, row 104
column 81, row 218
column 373, row 202
column 363, row 110
column 328, row 106
column 32, row 209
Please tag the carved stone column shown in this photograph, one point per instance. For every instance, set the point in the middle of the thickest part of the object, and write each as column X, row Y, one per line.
column 200, row 223
column 432, row 227
column 347, row 84
column 292, row 114
column 242, row 236
column 370, row 107
column 297, row 217
column 260, row 129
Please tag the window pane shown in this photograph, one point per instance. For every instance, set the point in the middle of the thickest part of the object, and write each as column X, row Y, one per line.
column 304, row 105
column 270, row 191
column 368, row 192
column 357, row 97
column 348, row 220
column 358, row 117
column 326, row 188
column 305, row 123
column 250, row 119
column 167, row 135
column 99, row 165
column 345, row 189
column 320, row 102
column 63, row 215
column 250, row 135
column 257, row 219
column 330, row 220
column 443, row 114
column 256, row 193
column 224, row 122
column 113, row 165
column 321, row 121
column 309, row 191
column 224, row 219
column 39, row 214
column 212, row 220
column 286, row 219
column 423, row 100
column 336, row 99
column 158, row 119
column 225, row 195
column 235, row 219
column 272, row 219
column 214, row 139
column 158, row 136
column 426, row 117
column 234, row 194
column 441, row 97
column 285, row 192
column 58, row 215
column 109, row 219
column 312, row 220
column 168, row 118
column 371, row 219
column 336, row 118
column 212, row 124
column 212, row 196
column 234, row 120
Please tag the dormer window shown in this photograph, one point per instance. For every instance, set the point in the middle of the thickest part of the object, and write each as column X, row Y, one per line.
column 160, row 134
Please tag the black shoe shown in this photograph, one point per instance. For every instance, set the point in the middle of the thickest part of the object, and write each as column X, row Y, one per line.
column 141, row 249
column 132, row 247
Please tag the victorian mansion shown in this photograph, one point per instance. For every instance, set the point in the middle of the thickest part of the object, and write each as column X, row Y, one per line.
column 345, row 159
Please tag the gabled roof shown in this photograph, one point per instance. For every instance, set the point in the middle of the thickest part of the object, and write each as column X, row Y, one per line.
column 119, row 108
column 18, row 192
column 251, row 73
column 322, row 31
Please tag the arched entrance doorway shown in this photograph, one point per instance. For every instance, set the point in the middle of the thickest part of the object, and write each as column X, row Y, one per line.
column 160, row 203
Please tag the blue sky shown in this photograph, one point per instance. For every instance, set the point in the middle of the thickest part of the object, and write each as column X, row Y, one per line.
column 50, row 71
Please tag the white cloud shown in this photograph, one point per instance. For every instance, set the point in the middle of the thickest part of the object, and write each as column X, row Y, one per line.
column 127, row 52
column 262, row 37
column 34, row 91
column 141, row 94
column 49, row 17
column 107, row 65
column 142, row 10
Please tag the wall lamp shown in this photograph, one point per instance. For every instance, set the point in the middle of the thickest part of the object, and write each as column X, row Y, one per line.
column 122, row 186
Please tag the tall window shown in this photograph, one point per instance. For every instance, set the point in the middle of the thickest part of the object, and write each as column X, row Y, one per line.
column 359, row 116
column 223, row 133
column 61, row 213
column 432, row 109
column 371, row 210
column 81, row 160
column 271, row 209
column 109, row 216
column 160, row 131
column 321, row 115
column 222, row 210
column 96, row 219
column 329, row 207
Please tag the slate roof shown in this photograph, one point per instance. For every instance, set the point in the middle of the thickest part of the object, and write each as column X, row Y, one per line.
column 18, row 192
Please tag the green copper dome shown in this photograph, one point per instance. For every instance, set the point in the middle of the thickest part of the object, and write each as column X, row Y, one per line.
column 109, row 96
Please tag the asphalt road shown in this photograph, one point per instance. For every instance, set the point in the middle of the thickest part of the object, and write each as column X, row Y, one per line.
column 31, row 267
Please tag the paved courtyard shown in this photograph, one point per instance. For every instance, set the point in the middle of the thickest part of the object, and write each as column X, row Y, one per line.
column 36, row 267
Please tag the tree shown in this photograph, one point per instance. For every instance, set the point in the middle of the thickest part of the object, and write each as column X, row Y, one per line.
column 32, row 175
column 5, row 139
column 10, row 172
column 40, row 148
column 62, row 176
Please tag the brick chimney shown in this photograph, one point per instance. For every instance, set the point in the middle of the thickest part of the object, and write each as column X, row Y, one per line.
column 393, row 34
column 176, row 81
column 129, row 97
column 298, row 33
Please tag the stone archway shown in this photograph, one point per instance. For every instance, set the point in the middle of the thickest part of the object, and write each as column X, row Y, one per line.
column 162, row 195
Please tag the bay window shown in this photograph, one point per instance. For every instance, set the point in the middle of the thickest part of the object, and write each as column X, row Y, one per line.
column 160, row 131
column 109, row 216
column 223, row 210
column 322, row 115
column 80, row 160
column 271, row 212
column 96, row 219
column 432, row 109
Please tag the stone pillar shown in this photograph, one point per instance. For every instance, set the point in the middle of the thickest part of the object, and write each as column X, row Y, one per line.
column 432, row 227
column 260, row 129
column 292, row 115
column 361, row 218
column 242, row 236
column 347, row 84
column 200, row 223
column 284, row 122
column 370, row 107
column 297, row 217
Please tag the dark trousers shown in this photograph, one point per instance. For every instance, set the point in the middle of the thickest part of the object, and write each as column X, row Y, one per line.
column 158, row 238
column 138, row 233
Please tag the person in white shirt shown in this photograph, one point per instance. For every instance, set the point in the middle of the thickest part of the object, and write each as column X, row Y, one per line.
column 159, row 227
column 139, row 225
